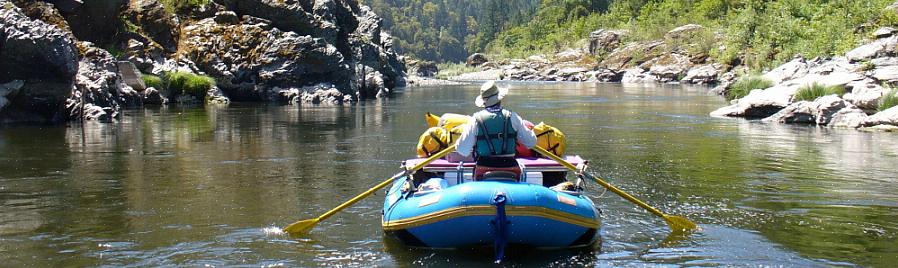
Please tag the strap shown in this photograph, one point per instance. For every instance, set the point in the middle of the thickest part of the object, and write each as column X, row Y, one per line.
column 505, row 131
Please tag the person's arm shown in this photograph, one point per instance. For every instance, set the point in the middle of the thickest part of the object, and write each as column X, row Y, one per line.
column 468, row 138
column 525, row 135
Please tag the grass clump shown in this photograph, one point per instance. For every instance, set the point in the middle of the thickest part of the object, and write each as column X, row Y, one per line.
column 813, row 91
column 189, row 83
column 746, row 84
column 451, row 69
column 889, row 100
column 152, row 81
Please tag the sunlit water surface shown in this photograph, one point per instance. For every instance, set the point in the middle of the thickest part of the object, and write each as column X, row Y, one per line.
column 211, row 186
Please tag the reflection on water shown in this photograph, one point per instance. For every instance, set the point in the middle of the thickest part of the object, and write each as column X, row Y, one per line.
column 201, row 186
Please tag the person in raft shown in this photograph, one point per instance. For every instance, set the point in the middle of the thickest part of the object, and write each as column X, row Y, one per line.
column 491, row 134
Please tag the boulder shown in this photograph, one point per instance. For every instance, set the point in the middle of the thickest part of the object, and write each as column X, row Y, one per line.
column 670, row 67
column 94, row 20
column 604, row 41
column 759, row 103
column 476, row 59
column 318, row 94
column 43, row 11
column 884, row 61
column 878, row 48
column 885, row 73
column 796, row 68
column 8, row 89
column 152, row 96
column 705, row 74
column 568, row 55
column 98, row 85
column 849, row 117
column 887, row 117
column 864, row 94
column 634, row 54
column 802, row 112
column 154, row 21
column 215, row 96
column 827, row 106
column 294, row 16
column 246, row 58
column 685, row 31
column 226, row 17
column 884, row 32
column 637, row 75
column 44, row 57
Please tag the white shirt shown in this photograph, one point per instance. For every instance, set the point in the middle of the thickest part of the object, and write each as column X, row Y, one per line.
column 468, row 138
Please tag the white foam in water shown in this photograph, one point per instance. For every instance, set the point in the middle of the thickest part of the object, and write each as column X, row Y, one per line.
column 273, row 231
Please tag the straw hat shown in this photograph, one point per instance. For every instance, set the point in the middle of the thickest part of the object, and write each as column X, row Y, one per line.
column 490, row 94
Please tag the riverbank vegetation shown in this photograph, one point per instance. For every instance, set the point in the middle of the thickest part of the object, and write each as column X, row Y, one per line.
column 183, row 83
column 745, row 85
column 813, row 91
column 889, row 100
column 452, row 69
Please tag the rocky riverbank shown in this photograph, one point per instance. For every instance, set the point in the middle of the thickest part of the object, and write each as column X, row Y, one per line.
column 864, row 77
column 63, row 59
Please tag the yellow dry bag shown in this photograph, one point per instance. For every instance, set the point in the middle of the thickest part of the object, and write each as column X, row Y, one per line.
column 550, row 138
column 433, row 140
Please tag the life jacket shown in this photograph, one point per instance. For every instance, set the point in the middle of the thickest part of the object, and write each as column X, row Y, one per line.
column 495, row 135
column 432, row 141
column 550, row 138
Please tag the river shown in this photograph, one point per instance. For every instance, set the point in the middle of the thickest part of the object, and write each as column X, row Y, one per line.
column 209, row 186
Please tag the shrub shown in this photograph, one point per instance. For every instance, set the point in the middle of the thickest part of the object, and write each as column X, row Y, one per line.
column 745, row 85
column 889, row 100
column 153, row 81
column 814, row 91
column 189, row 83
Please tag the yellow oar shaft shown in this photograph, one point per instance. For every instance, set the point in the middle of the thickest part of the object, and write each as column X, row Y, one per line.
column 385, row 183
column 607, row 185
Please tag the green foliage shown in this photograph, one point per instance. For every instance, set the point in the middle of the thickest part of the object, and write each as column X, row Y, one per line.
column 759, row 34
column 448, row 30
column 181, row 6
column 814, row 91
column 452, row 69
column 153, row 81
column 889, row 100
column 745, row 85
column 189, row 83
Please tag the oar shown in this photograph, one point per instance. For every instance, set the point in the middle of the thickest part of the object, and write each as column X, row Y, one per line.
column 676, row 223
column 306, row 225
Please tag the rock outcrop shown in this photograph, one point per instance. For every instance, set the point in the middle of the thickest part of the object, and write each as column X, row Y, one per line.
column 252, row 49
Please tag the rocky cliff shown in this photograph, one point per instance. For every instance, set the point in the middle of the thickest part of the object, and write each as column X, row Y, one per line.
column 60, row 59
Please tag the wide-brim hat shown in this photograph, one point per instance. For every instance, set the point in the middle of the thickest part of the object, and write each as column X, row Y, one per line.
column 490, row 94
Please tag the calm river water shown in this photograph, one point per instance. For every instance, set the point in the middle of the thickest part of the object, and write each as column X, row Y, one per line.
column 194, row 186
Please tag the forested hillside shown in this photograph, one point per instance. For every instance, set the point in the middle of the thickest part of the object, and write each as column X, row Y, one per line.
column 449, row 30
column 756, row 33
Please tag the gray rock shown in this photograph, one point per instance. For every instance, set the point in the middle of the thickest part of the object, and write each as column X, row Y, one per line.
column 99, row 83
column 884, row 32
column 759, row 103
column 568, row 55
column 802, row 112
column 849, row 117
column 887, row 117
column 637, row 75
column 884, row 61
column 864, row 94
column 668, row 68
column 157, row 23
column 885, row 73
column 7, row 89
column 604, row 41
column 796, row 68
column 215, row 96
column 476, row 59
column 878, row 48
column 827, row 106
column 226, row 17
column 152, row 96
column 705, row 74
column 685, row 31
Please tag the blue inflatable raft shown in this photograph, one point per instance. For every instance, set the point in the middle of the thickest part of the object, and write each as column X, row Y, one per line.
column 440, row 206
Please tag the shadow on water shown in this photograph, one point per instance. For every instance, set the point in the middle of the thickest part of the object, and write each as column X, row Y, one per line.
column 516, row 256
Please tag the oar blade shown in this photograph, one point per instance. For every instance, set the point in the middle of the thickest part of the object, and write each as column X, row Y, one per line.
column 301, row 227
column 680, row 224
